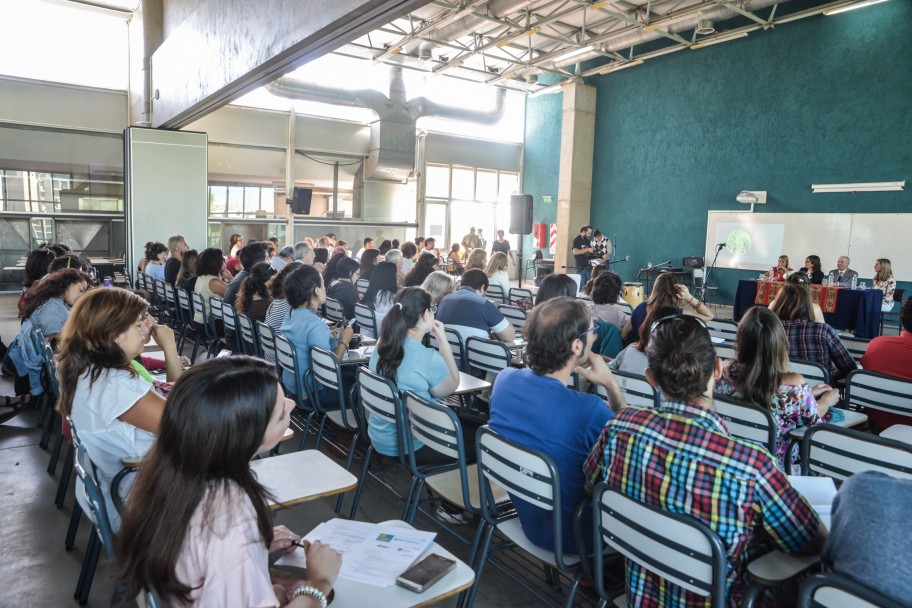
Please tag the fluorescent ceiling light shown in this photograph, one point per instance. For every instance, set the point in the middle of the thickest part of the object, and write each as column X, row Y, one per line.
column 866, row 187
column 851, row 7
column 571, row 54
column 519, row 34
column 717, row 40
column 615, row 67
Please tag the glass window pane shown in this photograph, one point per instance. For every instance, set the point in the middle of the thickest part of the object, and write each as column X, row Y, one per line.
column 235, row 200
column 251, row 201
column 486, row 185
column 509, row 184
column 267, row 200
column 218, row 200
column 438, row 181
column 463, row 183
column 435, row 220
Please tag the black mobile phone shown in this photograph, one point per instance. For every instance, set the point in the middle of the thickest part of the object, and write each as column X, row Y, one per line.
column 425, row 573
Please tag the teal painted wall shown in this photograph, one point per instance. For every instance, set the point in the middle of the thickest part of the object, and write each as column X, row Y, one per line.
column 821, row 100
column 541, row 163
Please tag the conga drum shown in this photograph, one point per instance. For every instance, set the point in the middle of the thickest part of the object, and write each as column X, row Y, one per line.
column 633, row 294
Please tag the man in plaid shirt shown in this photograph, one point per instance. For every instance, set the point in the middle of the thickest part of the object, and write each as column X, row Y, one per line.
column 680, row 457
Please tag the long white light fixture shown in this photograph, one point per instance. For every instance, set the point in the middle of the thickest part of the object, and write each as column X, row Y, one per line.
column 622, row 66
column 851, row 7
column 717, row 40
column 865, row 187
column 571, row 54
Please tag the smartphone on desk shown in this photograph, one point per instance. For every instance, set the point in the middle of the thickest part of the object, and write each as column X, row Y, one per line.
column 425, row 573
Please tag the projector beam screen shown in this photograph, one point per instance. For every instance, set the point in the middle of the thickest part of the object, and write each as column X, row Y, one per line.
column 166, row 178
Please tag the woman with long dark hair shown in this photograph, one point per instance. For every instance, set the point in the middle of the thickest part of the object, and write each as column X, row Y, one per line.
column 331, row 273
column 48, row 303
column 321, row 257
column 36, row 266
column 198, row 528
column 278, row 307
column 665, row 292
column 381, row 292
column 633, row 358
column 253, row 297
column 426, row 264
column 304, row 328
column 186, row 277
column 761, row 376
column 343, row 288
column 209, row 266
column 235, row 242
column 555, row 286
column 369, row 260
column 115, row 409
column 401, row 357
column 812, row 269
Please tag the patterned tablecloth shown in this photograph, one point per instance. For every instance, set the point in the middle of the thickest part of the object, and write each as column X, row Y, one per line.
column 823, row 296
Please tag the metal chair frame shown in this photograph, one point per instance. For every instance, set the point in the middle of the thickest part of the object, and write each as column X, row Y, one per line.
column 836, row 452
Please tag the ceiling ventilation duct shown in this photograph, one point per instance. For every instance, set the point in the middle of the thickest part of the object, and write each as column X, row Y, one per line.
column 705, row 28
column 392, row 144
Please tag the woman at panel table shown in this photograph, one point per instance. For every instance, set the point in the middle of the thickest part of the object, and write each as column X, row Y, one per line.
column 808, row 340
column 780, row 270
column 812, row 269
column 761, row 376
column 198, row 529
column 885, row 281
column 109, row 397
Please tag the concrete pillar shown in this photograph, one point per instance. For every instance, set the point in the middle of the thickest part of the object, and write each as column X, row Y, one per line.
column 574, row 191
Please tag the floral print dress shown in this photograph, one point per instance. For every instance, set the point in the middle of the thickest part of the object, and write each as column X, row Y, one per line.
column 793, row 405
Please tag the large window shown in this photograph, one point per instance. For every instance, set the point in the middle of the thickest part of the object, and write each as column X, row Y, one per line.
column 46, row 192
column 241, row 201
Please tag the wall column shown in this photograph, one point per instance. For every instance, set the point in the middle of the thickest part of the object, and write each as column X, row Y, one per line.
column 574, row 192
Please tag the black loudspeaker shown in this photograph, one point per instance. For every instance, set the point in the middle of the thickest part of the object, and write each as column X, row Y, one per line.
column 300, row 201
column 521, row 214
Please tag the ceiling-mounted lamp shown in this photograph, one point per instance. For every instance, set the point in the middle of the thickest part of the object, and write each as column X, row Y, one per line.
column 851, row 6
column 751, row 197
column 717, row 40
column 571, row 54
column 864, row 187
column 617, row 66
column 705, row 27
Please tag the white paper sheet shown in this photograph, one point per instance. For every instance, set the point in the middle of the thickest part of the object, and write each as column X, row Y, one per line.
column 371, row 553
column 819, row 491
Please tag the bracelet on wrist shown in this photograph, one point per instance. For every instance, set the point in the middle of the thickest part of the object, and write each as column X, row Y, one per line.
column 310, row 591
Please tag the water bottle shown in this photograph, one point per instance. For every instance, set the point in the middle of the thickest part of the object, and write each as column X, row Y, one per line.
column 854, row 282
column 831, row 278
column 107, row 282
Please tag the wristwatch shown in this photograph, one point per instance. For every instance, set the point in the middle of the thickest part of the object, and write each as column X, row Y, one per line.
column 312, row 592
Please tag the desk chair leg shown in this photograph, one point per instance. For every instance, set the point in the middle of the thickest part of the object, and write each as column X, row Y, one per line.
column 48, row 427
column 478, row 567
column 64, row 484
column 55, row 455
column 307, row 421
column 361, row 479
column 73, row 527
column 571, row 593
column 412, row 501
column 348, row 464
column 320, row 431
column 89, row 566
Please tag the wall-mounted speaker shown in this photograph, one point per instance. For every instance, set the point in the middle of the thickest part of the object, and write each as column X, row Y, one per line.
column 300, row 200
column 521, row 214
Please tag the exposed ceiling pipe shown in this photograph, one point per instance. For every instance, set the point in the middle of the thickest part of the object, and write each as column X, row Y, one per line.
column 636, row 35
column 461, row 27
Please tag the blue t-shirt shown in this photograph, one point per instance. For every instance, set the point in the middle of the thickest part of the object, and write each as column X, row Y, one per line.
column 156, row 271
column 304, row 329
column 421, row 369
column 470, row 314
column 542, row 414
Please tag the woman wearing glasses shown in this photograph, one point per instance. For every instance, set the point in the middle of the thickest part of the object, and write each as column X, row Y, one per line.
column 401, row 357
column 198, row 529
column 114, row 407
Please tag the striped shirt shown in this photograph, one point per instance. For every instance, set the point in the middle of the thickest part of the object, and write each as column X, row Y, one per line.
column 681, row 458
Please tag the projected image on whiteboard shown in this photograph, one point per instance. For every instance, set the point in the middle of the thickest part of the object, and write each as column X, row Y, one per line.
column 750, row 244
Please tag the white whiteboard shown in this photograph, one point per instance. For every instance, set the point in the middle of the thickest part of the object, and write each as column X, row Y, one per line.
column 166, row 175
column 756, row 240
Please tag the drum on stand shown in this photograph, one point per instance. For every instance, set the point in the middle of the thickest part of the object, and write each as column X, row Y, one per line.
column 633, row 294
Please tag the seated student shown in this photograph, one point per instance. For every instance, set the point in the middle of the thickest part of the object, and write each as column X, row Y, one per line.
column 438, row 284
column 37, row 266
column 455, row 259
column 534, row 407
column 884, row 281
column 331, row 273
column 186, row 277
column 116, row 411
column 681, row 458
column 802, row 279
column 555, row 286
column 304, row 328
column 497, row 271
column 401, row 357
column 278, row 305
column 633, row 358
column 156, row 256
column 409, row 251
column 891, row 355
column 586, row 291
column 425, row 265
column 368, row 260
column 198, row 529
column 177, row 245
column 253, row 298
column 808, row 340
column 250, row 255
column 209, row 266
column 761, row 376
column 605, row 291
column 381, row 291
column 812, row 269
column 47, row 304
column 665, row 292
column 343, row 288
column 476, row 258
column 321, row 258
column 869, row 535
column 467, row 310
column 394, row 256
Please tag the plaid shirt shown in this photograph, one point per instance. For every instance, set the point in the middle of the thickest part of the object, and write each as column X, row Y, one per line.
column 819, row 342
column 681, row 458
